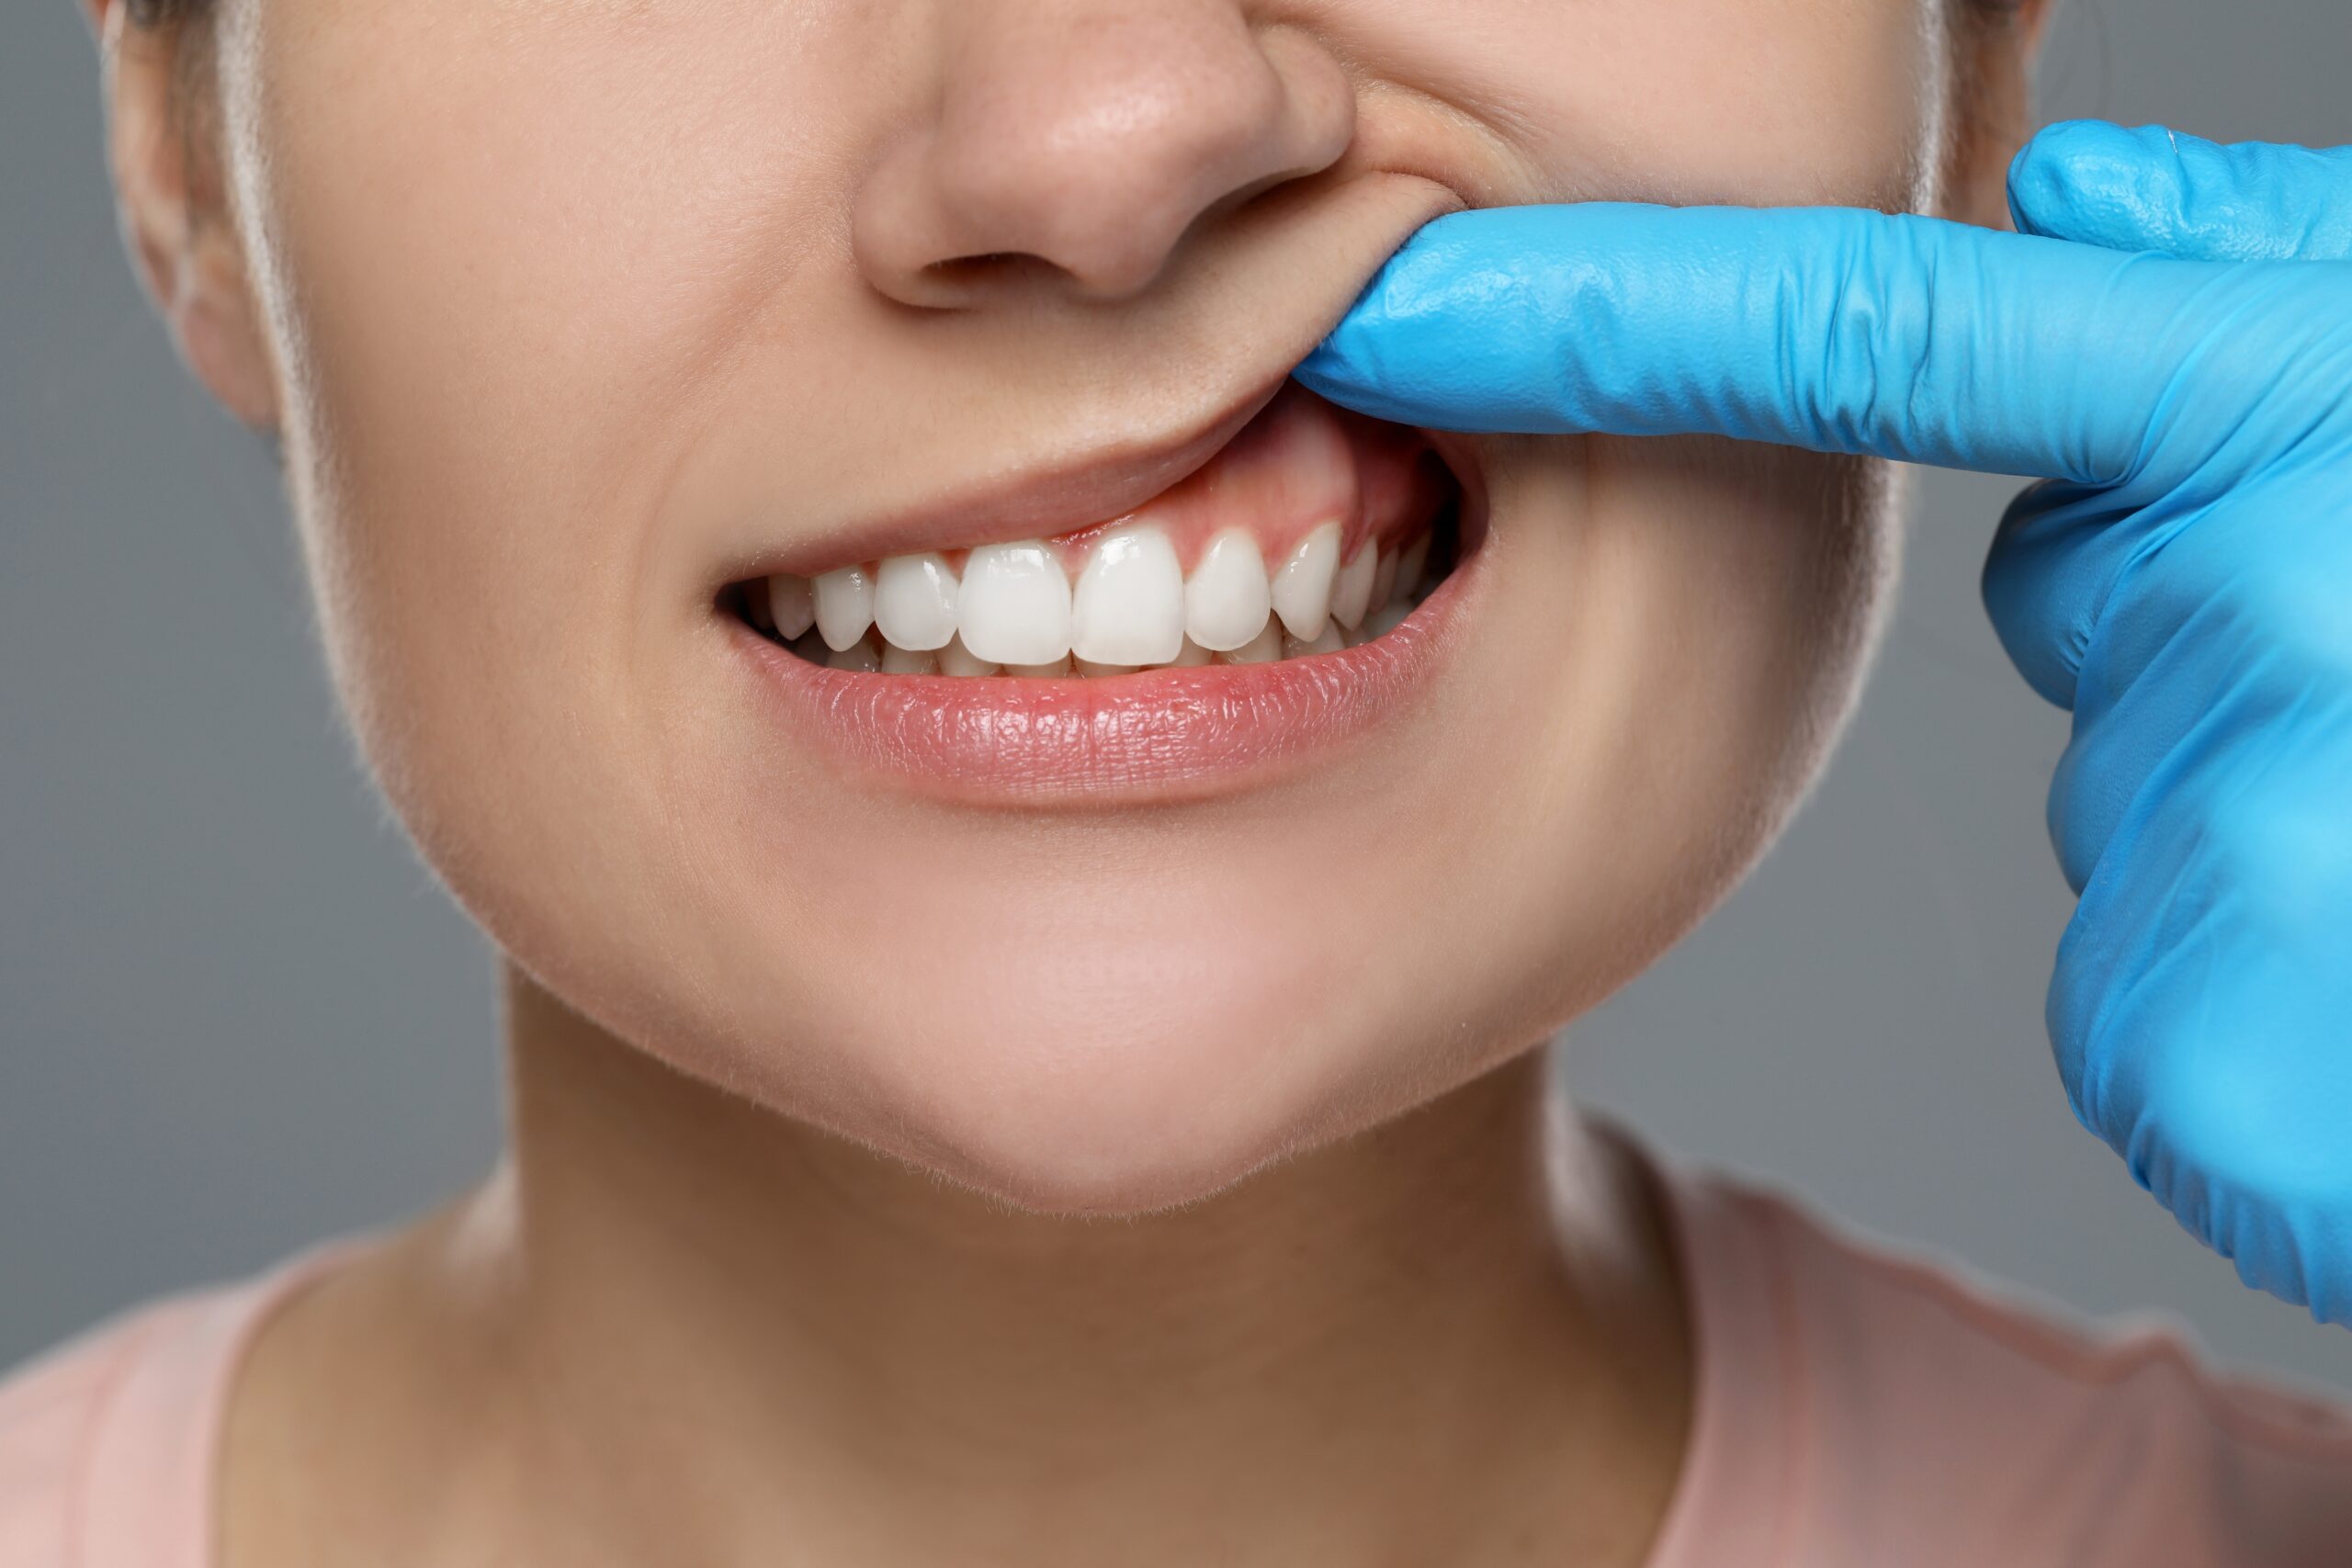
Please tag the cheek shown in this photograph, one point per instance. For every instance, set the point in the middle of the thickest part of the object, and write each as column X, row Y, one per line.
column 504, row 236
column 1819, row 101
column 1751, row 102
column 1704, row 611
column 1680, row 629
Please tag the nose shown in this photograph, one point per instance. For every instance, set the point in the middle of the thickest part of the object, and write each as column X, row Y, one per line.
column 1082, row 140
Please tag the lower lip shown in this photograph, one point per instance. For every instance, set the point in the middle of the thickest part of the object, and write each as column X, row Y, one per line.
column 1155, row 736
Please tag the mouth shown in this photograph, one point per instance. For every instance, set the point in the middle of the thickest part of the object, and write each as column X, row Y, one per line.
column 1284, row 591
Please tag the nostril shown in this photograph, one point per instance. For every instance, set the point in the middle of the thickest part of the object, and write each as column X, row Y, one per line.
column 1102, row 270
column 972, row 271
column 1078, row 155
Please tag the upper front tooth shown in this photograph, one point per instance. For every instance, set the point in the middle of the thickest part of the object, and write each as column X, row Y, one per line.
column 1015, row 605
column 914, row 601
column 1129, row 606
column 1351, row 593
column 1227, row 602
column 1302, row 588
column 791, row 605
column 845, row 605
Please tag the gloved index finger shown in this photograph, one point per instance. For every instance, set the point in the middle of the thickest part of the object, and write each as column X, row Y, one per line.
column 1830, row 328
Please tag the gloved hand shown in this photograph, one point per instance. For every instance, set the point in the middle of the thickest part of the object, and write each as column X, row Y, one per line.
column 2169, row 341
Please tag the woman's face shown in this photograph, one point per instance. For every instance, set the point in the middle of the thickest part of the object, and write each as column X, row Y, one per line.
column 584, row 314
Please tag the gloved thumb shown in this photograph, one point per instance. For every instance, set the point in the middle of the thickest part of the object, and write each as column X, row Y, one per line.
column 2153, row 189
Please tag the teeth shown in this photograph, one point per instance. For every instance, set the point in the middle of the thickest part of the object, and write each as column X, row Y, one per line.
column 844, row 606
column 1383, row 578
column 1409, row 570
column 1227, row 602
column 1386, row 619
column 1129, row 604
column 914, row 601
column 956, row 660
column 1263, row 649
column 1015, row 605
column 1132, row 608
column 1352, row 591
column 792, row 605
column 1302, row 588
column 861, row 656
column 1330, row 639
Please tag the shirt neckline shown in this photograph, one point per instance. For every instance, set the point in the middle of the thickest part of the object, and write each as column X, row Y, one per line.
column 150, row 1497
column 149, row 1484
column 1733, row 1500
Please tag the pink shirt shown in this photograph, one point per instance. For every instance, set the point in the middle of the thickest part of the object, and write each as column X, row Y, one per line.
column 1856, row 1409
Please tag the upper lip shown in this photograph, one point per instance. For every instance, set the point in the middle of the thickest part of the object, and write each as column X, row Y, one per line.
column 1106, row 482
column 1034, row 497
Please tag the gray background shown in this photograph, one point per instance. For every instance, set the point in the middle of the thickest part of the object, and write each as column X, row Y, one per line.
column 235, row 1015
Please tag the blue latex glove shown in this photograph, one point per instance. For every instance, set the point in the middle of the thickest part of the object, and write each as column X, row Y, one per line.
column 2170, row 340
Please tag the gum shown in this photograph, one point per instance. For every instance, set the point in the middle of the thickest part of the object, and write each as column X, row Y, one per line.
column 1300, row 463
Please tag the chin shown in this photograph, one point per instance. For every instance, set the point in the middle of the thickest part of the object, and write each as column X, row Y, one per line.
column 1115, row 1077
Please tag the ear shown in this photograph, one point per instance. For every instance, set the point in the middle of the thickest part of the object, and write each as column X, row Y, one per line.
column 1993, row 49
column 164, row 157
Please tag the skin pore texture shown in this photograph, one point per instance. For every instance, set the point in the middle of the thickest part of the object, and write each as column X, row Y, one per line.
column 896, row 1177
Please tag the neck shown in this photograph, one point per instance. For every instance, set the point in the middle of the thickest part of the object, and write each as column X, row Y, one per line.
column 1423, row 1343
